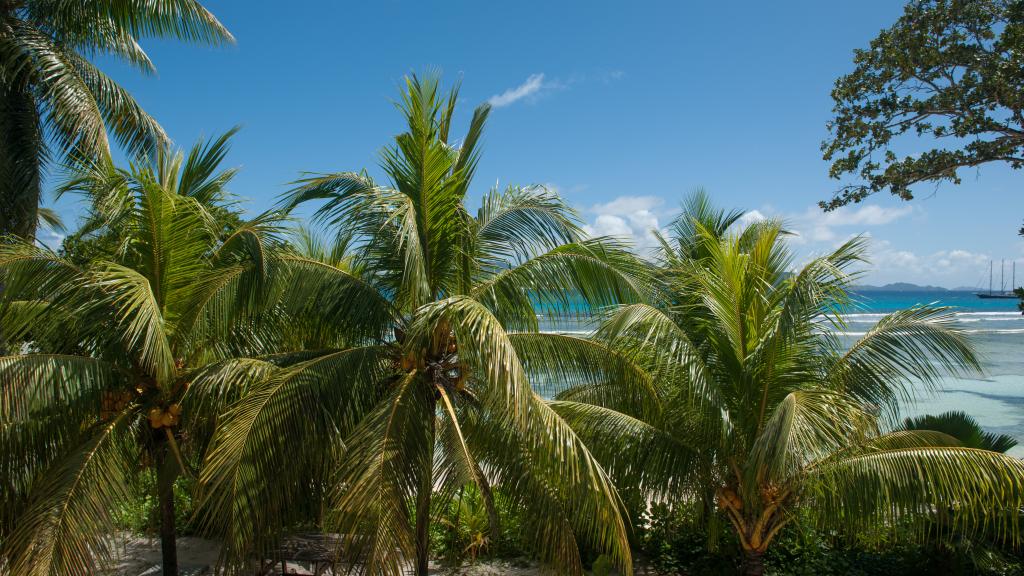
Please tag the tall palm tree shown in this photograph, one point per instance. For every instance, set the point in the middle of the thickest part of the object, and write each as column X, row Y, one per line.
column 742, row 398
column 425, row 385
column 55, row 104
column 122, row 359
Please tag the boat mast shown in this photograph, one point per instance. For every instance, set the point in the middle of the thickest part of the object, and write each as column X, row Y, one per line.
column 989, row 277
column 1002, row 274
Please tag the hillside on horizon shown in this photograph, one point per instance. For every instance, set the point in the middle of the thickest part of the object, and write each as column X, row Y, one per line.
column 909, row 287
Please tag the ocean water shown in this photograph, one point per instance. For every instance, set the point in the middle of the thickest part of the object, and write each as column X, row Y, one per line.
column 996, row 327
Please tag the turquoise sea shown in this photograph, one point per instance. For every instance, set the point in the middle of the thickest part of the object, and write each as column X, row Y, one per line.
column 995, row 399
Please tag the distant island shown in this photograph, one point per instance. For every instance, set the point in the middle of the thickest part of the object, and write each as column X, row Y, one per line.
column 904, row 287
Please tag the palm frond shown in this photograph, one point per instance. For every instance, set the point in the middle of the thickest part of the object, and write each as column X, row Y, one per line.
column 201, row 177
column 547, row 470
column 273, row 436
column 140, row 317
column 969, row 490
column 180, row 19
column 570, row 280
column 135, row 130
column 562, row 363
column 66, row 527
column 647, row 327
column 71, row 112
column 638, row 455
column 807, row 426
column 484, row 347
column 964, row 428
column 917, row 346
column 389, row 457
column 519, row 223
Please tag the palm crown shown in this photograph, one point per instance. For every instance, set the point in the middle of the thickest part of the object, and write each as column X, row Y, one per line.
column 741, row 397
column 55, row 102
column 123, row 357
column 422, row 384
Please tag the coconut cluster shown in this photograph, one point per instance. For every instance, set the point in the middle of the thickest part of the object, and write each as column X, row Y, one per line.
column 160, row 418
column 728, row 498
column 113, row 402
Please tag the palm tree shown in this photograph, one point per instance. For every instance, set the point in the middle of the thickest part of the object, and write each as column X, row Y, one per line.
column 422, row 385
column 55, row 103
column 122, row 359
column 739, row 396
column 964, row 428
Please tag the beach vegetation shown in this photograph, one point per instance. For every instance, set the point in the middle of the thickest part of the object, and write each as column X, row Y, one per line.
column 749, row 408
column 416, row 378
column 115, row 362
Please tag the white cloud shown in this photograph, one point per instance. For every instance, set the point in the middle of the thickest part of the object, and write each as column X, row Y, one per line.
column 814, row 225
column 539, row 84
column 949, row 268
column 631, row 218
column 751, row 217
column 49, row 237
column 531, row 87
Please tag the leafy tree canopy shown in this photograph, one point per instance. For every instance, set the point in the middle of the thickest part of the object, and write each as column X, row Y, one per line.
column 949, row 69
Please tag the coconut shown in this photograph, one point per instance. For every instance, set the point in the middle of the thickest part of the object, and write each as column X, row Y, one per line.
column 156, row 418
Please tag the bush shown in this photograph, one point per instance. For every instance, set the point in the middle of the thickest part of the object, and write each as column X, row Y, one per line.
column 463, row 531
column 141, row 515
column 671, row 542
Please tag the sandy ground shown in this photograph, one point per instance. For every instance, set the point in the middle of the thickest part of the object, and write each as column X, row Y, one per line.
column 135, row 554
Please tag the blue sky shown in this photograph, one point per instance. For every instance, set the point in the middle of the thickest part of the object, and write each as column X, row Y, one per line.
column 624, row 107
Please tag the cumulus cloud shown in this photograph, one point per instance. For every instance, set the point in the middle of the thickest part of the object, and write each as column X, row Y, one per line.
column 814, row 225
column 950, row 268
column 531, row 87
column 635, row 218
column 631, row 218
column 751, row 217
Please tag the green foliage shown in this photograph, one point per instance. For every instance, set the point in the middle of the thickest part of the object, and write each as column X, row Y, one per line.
column 421, row 343
column 122, row 352
column 964, row 428
column 602, row 566
column 141, row 513
column 463, row 533
column 738, row 401
column 948, row 70
column 56, row 105
column 670, row 543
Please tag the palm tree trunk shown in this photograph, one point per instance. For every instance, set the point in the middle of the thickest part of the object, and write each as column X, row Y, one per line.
column 423, row 528
column 167, row 473
column 22, row 149
column 423, row 494
column 753, row 563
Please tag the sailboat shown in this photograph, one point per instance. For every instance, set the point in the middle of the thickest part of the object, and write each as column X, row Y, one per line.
column 1003, row 293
